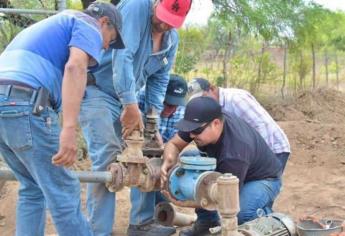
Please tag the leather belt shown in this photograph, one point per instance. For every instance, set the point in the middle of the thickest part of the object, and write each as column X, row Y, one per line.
column 19, row 90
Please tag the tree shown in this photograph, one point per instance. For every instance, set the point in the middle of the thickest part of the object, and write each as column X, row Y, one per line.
column 192, row 42
column 269, row 20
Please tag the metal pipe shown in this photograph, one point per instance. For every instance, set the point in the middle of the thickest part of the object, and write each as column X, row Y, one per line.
column 83, row 176
column 27, row 11
column 167, row 215
column 228, row 203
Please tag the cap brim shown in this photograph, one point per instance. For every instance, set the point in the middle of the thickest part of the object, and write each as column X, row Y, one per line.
column 176, row 101
column 196, row 95
column 168, row 18
column 118, row 43
column 188, row 126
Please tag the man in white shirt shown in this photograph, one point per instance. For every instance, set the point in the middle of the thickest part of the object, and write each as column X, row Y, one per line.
column 242, row 104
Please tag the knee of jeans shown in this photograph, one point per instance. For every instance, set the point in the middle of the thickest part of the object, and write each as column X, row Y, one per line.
column 246, row 215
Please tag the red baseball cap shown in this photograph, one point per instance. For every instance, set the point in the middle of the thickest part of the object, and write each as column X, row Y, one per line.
column 173, row 12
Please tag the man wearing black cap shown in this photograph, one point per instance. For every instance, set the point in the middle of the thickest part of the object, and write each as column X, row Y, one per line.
column 241, row 103
column 42, row 71
column 239, row 150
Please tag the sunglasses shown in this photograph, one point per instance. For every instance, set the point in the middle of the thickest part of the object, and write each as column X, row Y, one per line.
column 199, row 130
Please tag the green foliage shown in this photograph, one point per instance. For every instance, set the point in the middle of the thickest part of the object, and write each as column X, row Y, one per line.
column 34, row 4
column 191, row 46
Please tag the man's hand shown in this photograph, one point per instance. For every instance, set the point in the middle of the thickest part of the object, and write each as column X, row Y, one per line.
column 186, row 203
column 167, row 165
column 170, row 156
column 131, row 119
column 67, row 153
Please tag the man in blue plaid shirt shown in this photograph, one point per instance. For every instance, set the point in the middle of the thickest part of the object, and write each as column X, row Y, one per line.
column 174, row 105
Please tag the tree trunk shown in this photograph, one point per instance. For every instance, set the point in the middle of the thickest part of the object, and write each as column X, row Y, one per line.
column 326, row 66
column 301, row 71
column 258, row 79
column 226, row 57
column 337, row 69
column 314, row 66
column 285, row 71
column 4, row 3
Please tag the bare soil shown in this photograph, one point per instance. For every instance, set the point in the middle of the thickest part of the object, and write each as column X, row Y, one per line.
column 314, row 180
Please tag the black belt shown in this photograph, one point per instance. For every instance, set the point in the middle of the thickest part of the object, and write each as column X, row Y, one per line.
column 18, row 90
column 39, row 98
column 91, row 80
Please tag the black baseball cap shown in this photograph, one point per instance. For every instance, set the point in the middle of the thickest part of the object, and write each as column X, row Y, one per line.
column 197, row 86
column 176, row 91
column 199, row 111
column 108, row 9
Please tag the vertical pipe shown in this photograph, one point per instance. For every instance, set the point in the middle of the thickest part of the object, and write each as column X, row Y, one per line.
column 228, row 203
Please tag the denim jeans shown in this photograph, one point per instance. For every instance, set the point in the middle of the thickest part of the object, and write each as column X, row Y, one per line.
column 27, row 144
column 254, row 195
column 100, row 122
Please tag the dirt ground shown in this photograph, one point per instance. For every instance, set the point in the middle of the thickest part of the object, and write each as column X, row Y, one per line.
column 314, row 181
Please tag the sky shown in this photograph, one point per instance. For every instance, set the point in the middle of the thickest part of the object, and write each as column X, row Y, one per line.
column 202, row 9
column 332, row 4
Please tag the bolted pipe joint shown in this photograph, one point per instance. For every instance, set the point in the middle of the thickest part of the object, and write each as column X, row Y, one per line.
column 145, row 176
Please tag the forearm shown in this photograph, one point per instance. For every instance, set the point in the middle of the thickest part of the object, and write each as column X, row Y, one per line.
column 173, row 148
column 171, row 153
column 73, row 88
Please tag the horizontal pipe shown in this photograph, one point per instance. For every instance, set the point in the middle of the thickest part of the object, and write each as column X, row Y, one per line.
column 26, row 11
column 83, row 176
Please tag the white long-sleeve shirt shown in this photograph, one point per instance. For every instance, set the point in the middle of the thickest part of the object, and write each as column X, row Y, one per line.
column 241, row 103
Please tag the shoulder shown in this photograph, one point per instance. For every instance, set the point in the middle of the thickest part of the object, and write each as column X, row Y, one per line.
column 135, row 5
column 174, row 36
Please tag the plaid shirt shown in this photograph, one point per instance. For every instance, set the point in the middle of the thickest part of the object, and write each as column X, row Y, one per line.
column 166, row 125
column 244, row 105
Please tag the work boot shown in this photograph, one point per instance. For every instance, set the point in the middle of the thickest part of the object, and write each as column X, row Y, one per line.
column 199, row 229
column 150, row 229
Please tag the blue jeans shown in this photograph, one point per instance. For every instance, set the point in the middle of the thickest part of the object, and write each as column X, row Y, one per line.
column 254, row 195
column 100, row 122
column 27, row 144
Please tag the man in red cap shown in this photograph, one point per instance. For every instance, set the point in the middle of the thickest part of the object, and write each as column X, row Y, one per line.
column 151, row 45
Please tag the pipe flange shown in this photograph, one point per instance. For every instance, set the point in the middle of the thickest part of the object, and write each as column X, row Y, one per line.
column 165, row 214
column 152, row 175
column 118, row 172
column 206, row 180
column 170, row 172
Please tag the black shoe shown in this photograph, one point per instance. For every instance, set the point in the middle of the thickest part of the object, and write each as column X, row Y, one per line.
column 150, row 229
column 199, row 229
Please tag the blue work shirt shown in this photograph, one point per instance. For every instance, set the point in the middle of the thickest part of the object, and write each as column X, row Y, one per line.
column 122, row 73
column 38, row 54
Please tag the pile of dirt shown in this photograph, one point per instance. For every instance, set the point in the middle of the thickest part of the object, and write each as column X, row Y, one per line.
column 322, row 105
